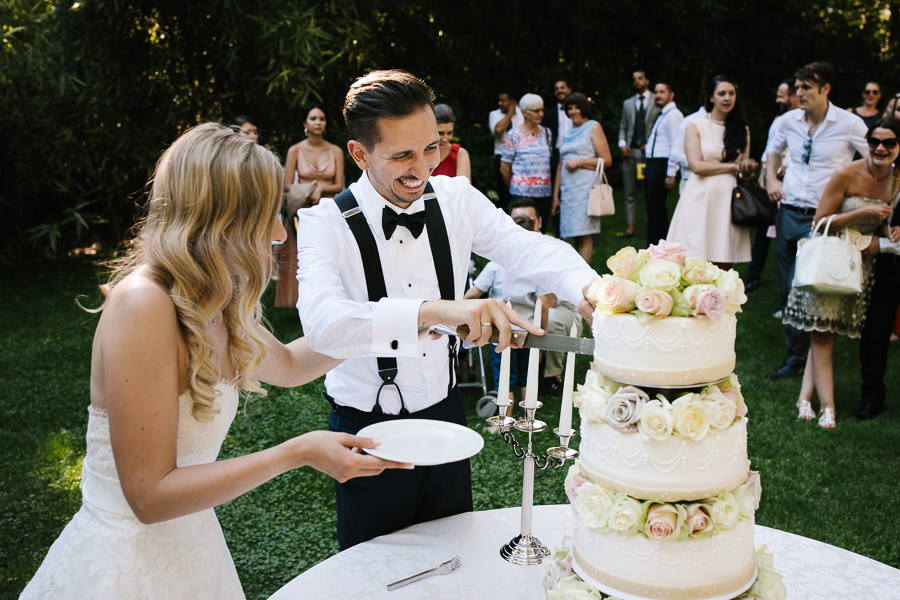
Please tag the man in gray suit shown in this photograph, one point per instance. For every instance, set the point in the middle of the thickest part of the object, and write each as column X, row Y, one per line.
column 638, row 114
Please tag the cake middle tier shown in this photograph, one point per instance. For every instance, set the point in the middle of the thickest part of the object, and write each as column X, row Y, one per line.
column 668, row 470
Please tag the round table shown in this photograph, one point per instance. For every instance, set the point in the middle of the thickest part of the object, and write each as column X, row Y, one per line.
column 810, row 569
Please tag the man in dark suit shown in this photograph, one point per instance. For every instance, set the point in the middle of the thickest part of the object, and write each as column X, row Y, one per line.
column 558, row 122
column 639, row 112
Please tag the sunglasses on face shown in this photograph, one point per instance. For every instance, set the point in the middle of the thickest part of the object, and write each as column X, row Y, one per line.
column 888, row 143
column 870, row 92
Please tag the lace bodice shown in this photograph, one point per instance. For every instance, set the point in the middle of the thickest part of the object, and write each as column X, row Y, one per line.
column 867, row 225
column 198, row 441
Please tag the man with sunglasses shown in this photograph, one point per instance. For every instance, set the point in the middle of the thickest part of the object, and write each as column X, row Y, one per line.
column 819, row 138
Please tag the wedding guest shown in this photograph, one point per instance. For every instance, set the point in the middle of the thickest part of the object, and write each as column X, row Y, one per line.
column 639, row 113
column 583, row 145
column 892, row 108
column 859, row 195
column 178, row 339
column 246, row 127
column 717, row 147
column 314, row 168
column 868, row 111
column 501, row 120
column 525, row 162
column 454, row 158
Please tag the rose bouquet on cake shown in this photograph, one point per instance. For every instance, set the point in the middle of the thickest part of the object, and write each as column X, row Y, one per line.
column 691, row 416
column 663, row 281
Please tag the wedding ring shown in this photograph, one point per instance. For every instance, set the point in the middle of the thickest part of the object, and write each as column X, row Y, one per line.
column 487, row 324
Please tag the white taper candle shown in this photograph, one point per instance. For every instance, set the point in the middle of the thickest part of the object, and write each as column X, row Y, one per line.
column 565, row 411
column 534, row 359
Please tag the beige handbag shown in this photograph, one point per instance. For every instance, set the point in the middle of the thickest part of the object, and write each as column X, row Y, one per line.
column 297, row 197
column 601, row 203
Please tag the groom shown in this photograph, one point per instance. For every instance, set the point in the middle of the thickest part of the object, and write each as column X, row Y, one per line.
column 383, row 262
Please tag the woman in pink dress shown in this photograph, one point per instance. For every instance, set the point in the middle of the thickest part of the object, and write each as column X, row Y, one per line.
column 310, row 160
column 717, row 148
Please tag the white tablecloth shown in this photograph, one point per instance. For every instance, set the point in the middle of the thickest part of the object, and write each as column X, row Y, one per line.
column 810, row 568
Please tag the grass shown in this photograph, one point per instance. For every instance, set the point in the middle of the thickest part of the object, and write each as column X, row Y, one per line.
column 838, row 487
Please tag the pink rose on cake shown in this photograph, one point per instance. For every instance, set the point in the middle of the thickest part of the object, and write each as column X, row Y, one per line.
column 624, row 515
column 653, row 303
column 706, row 301
column 656, row 420
column 574, row 480
column 613, row 294
column 665, row 522
column 627, row 262
column 699, row 271
column 623, row 409
column 659, row 274
column 690, row 417
column 699, row 519
column 670, row 251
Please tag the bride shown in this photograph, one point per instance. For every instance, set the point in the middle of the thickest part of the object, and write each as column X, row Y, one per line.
column 179, row 336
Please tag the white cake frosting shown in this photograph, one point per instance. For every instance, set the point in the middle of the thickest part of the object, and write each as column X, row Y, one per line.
column 674, row 351
column 722, row 565
column 669, row 470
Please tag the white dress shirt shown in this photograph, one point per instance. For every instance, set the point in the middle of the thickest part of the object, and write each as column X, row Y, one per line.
column 495, row 117
column 564, row 123
column 677, row 157
column 663, row 132
column 338, row 319
column 835, row 140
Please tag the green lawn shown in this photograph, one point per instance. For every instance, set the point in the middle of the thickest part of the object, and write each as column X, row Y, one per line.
column 839, row 487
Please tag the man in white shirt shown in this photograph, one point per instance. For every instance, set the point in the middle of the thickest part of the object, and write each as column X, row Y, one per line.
column 506, row 116
column 659, row 142
column 638, row 114
column 819, row 137
column 677, row 158
column 420, row 244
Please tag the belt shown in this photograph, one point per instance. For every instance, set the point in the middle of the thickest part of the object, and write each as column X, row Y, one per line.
column 799, row 209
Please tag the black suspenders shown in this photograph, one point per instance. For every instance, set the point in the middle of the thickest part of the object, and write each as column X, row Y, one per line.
column 368, row 250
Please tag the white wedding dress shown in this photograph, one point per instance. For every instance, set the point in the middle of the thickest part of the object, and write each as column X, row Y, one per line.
column 105, row 552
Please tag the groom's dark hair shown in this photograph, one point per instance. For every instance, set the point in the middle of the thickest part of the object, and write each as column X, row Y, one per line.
column 388, row 94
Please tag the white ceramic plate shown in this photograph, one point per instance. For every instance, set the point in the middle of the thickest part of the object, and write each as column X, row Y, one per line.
column 422, row 442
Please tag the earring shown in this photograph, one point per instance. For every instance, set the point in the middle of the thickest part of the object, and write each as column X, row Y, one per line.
column 306, row 130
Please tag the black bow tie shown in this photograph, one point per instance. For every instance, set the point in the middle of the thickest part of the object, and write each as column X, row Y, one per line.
column 415, row 222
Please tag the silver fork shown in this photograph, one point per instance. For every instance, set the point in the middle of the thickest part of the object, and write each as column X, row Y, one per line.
column 442, row 569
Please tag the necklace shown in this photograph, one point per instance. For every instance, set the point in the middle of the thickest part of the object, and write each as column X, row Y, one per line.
column 869, row 169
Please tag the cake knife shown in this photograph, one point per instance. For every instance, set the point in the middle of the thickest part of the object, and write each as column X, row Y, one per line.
column 523, row 339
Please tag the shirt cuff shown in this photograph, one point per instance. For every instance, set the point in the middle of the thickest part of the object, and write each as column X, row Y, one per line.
column 572, row 286
column 886, row 246
column 671, row 169
column 395, row 327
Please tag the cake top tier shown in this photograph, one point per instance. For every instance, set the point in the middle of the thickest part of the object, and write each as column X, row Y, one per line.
column 662, row 281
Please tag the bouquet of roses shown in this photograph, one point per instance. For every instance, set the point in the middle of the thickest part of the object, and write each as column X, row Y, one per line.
column 662, row 281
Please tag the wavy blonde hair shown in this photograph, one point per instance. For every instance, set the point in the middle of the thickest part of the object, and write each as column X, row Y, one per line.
column 213, row 202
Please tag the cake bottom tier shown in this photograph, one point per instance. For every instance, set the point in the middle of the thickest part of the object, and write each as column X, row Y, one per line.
column 719, row 566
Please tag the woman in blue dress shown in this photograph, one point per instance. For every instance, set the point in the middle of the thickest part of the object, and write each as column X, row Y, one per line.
column 583, row 145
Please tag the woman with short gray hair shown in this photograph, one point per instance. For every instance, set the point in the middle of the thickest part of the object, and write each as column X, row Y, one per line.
column 525, row 161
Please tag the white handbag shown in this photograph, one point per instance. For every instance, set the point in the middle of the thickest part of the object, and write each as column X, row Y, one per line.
column 601, row 203
column 828, row 265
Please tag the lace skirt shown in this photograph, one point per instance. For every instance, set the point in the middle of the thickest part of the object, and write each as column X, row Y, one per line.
column 828, row 313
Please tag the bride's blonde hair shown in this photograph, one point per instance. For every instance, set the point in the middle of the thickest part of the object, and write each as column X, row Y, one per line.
column 213, row 202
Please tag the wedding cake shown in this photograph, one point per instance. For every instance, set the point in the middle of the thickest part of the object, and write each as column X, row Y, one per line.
column 662, row 494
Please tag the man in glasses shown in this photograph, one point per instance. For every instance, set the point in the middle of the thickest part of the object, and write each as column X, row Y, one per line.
column 819, row 137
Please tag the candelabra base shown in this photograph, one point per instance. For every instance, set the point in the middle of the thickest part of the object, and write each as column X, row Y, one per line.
column 524, row 550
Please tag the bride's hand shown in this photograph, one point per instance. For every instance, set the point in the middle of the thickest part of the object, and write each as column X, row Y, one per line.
column 338, row 455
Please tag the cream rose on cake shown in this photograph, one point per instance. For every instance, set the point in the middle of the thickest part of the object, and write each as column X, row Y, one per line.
column 613, row 294
column 725, row 510
column 690, row 417
column 624, row 515
column 659, row 274
column 593, row 503
column 656, row 420
column 627, row 262
column 722, row 410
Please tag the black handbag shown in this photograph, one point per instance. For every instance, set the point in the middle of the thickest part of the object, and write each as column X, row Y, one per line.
column 750, row 205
